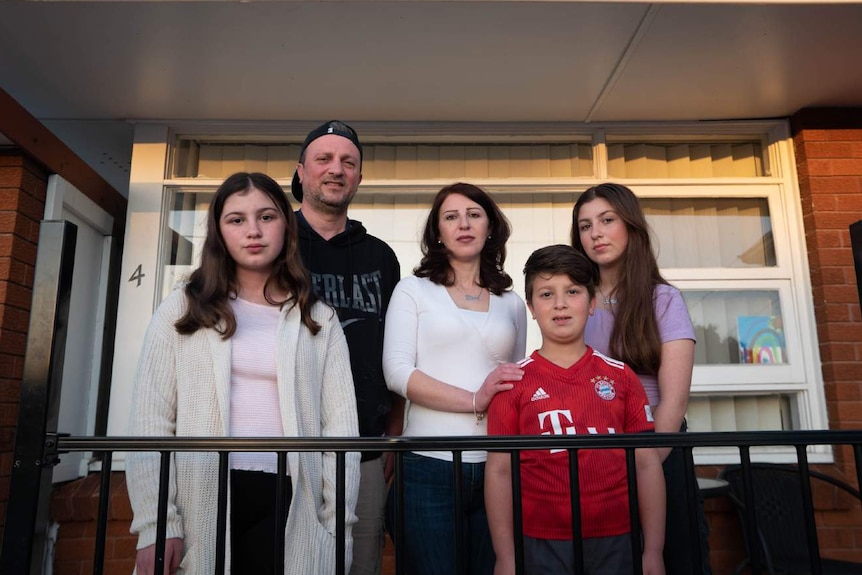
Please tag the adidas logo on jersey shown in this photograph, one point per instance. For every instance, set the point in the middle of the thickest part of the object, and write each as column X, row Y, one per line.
column 540, row 394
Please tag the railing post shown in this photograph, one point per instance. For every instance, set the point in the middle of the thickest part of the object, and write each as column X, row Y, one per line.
column 808, row 510
column 856, row 245
column 35, row 436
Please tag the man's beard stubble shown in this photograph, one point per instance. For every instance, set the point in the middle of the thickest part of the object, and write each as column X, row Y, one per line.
column 335, row 208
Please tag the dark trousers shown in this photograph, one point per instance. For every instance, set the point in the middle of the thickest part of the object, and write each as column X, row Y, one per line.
column 253, row 521
column 680, row 542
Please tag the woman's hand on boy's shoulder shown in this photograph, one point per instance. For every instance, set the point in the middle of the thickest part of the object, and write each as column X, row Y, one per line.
column 500, row 379
column 507, row 372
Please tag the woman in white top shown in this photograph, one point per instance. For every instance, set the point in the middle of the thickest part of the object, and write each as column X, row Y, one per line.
column 453, row 333
column 243, row 349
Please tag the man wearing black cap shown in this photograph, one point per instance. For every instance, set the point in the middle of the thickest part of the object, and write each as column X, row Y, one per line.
column 355, row 273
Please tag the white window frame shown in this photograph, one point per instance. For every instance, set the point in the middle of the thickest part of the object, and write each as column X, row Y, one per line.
column 790, row 277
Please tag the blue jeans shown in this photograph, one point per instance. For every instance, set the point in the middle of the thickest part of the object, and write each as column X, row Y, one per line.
column 429, row 517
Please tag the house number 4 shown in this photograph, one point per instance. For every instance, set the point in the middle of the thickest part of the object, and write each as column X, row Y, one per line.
column 137, row 275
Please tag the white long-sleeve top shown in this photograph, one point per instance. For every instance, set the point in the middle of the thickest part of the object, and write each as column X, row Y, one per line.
column 425, row 330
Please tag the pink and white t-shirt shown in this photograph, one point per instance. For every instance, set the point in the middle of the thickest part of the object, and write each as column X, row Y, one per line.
column 254, row 407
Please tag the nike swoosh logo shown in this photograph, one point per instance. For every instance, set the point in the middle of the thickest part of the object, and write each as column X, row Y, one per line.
column 347, row 322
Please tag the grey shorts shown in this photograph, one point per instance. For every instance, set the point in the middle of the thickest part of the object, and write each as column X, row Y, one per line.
column 602, row 556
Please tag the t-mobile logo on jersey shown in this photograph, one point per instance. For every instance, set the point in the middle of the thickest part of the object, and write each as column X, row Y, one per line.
column 560, row 421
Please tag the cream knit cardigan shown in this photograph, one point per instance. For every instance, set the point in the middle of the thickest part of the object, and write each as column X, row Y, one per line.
column 182, row 388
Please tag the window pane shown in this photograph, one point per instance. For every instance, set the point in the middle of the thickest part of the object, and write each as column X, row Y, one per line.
column 741, row 413
column 184, row 233
column 685, row 160
column 711, row 232
column 734, row 327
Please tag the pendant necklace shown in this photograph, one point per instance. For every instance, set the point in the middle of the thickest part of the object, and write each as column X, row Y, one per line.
column 608, row 301
column 469, row 297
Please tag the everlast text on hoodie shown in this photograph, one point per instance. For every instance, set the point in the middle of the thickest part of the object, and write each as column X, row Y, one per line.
column 355, row 273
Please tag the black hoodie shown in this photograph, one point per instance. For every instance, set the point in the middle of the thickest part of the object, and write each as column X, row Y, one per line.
column 355, row 273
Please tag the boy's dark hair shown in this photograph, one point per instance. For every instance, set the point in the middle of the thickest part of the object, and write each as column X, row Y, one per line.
column 559, row 260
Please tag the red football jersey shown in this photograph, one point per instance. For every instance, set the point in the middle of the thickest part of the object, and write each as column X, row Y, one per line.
column 596, row 395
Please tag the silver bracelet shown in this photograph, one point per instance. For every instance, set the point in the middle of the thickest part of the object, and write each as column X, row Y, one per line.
column 479, row 416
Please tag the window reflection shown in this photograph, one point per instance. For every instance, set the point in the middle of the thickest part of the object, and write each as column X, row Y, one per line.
column 711, row 232
column 735, row 327
column 184, row 233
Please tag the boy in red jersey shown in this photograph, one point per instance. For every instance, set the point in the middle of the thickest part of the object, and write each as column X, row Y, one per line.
column 568, row 389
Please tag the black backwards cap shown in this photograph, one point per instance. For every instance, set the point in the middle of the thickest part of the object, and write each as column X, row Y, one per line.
column 331, row 127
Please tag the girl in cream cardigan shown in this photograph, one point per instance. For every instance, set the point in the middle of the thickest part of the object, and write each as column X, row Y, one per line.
column 243, row 349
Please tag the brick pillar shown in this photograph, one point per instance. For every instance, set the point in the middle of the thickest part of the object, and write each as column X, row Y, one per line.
column 828, row 145
column 23, row 186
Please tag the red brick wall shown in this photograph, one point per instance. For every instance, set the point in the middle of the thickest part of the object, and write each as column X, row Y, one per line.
column 828, row 145
column 75, row 507
column 23, row 185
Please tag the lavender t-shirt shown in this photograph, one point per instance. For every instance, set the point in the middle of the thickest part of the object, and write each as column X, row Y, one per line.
column 673, row 323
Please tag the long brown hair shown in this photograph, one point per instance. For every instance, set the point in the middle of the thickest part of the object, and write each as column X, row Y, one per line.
column 635, row 337
column 212, row 285
column 435, row 257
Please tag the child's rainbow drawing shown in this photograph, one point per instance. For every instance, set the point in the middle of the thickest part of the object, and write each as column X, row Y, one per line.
column 761, row 339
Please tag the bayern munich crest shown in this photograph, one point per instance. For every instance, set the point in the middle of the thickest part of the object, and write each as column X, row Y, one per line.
column 605, row 388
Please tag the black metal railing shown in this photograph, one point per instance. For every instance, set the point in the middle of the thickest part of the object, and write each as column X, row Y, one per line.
column 856, row 248
column 799, row 440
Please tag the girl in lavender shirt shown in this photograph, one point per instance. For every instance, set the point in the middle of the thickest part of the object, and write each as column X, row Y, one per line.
column 643, row 320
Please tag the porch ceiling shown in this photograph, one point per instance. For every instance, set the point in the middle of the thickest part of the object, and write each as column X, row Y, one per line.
column 111, row 61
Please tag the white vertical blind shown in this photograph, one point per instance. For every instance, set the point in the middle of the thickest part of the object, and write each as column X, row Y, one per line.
column 711, row 232
column 394, row 162
column 740, row 413
column 667, row 161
